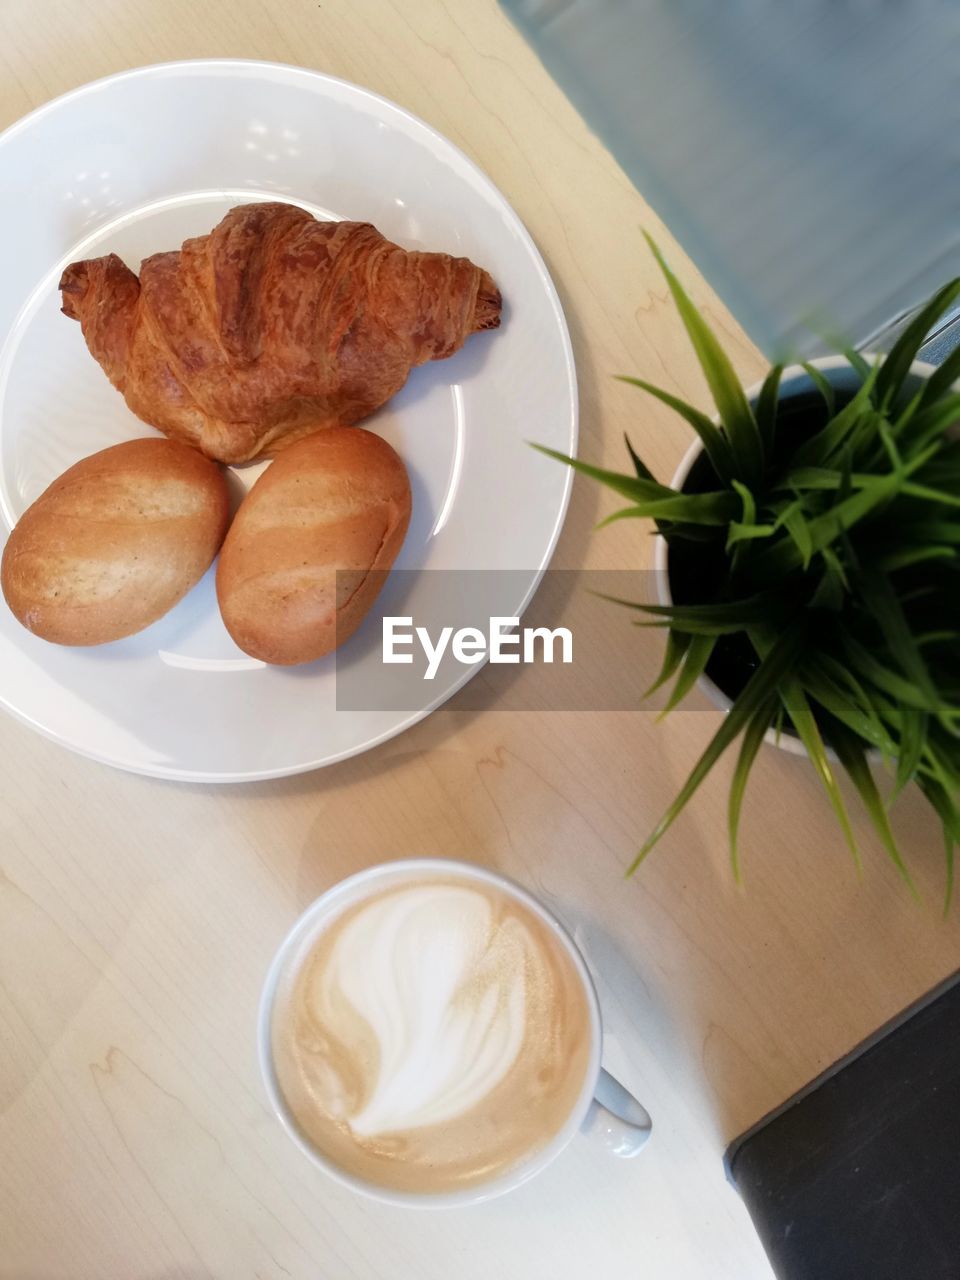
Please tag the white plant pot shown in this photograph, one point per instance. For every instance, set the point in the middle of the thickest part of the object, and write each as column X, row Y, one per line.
column 796, row 381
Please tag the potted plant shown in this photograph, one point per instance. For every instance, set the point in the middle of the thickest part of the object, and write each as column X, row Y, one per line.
column 808, row 553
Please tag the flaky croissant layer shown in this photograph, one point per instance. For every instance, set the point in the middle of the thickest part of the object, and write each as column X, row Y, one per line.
column 273, row 326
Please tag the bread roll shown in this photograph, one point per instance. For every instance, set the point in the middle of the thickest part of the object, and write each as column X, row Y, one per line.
column 309, row 548
column 115, row 542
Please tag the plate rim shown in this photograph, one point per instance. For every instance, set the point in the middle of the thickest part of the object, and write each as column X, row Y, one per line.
column 253, row 65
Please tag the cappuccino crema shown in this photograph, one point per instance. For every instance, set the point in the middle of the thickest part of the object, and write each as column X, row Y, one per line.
column 432, row 1035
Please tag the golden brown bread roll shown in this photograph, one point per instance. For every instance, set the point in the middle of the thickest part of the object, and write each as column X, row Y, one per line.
column 273, row 326
column 114, row 543
column 336, row 501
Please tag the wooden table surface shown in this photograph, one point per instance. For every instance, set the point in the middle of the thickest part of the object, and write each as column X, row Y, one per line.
column 137, row 917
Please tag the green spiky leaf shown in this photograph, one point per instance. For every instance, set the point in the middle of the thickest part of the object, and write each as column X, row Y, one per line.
column 902, row 354
column 766, row 410
column 854, row 760
column 725, row 387
column 753, row 737
column 765, row 680
column 716, row 447
column 677, row 644
column 692, row 668
column 651, row 499
column 824, row 386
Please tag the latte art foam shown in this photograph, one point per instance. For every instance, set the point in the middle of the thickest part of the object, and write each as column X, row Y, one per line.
column 442, row 991
column 432, row 1036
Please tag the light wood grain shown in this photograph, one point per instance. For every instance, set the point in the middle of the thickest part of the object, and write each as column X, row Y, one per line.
column 137, row 917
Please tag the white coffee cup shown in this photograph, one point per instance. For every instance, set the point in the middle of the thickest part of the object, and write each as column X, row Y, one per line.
column 603, row 1109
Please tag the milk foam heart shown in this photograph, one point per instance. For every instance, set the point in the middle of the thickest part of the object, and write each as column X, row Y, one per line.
column 432, row 1035
column 443, row 991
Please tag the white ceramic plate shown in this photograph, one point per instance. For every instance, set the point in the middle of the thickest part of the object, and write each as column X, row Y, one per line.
column 133, row 165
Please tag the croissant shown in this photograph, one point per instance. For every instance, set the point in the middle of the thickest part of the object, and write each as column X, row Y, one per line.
column 272, row 326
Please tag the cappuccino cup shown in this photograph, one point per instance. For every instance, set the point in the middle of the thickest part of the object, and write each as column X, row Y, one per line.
column 429, row 1035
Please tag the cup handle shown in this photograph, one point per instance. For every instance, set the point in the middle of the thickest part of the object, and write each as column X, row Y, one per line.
column 617, row 1118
